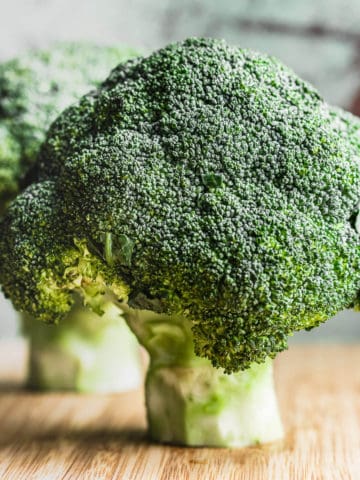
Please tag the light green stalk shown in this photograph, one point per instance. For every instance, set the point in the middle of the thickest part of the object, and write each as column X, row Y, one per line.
column 189, row 402
column 85, row 352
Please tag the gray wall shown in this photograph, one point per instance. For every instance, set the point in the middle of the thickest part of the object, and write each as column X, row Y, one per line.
column 320, row 39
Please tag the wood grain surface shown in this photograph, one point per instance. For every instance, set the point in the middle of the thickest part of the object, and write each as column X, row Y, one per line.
column 71, row 436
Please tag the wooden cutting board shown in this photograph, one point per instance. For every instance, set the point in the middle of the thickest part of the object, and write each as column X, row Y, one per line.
column 97, row 437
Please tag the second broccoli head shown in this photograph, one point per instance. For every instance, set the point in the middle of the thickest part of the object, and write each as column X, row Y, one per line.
column 204, row 181
column 34, row 89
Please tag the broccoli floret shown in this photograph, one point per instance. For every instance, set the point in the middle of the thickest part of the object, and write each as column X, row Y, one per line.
column 204, row 182
column 52, row 263
column 34, row 89
column 349, row 126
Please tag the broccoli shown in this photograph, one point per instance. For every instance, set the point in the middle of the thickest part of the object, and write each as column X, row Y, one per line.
column 34, row 89
column 83, row 353
column 215, row 195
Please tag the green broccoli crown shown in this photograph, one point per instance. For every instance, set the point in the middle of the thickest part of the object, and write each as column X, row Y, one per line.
column 216, row 184
column 34, row 89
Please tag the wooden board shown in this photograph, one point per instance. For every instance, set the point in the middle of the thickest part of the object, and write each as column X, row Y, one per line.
column 68, row 436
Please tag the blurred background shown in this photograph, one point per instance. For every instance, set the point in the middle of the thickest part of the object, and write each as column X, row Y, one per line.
column 319, row 39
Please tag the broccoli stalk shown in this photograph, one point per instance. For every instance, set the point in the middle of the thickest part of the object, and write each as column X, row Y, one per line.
column 188, row 402
column 84, row 353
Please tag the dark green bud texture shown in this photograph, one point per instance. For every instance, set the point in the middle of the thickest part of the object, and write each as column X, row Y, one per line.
column 207, row 181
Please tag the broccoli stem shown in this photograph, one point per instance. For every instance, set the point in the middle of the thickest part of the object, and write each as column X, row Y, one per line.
column 85, row 352
column 189, row 402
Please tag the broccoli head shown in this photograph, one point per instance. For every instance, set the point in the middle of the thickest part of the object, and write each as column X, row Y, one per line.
column 204, row 181
column 34, row 89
